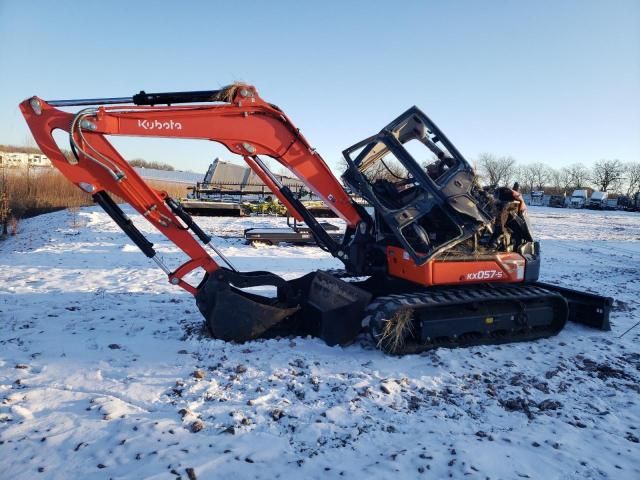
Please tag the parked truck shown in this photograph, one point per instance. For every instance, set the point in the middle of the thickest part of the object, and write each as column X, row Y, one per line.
column 578, row 199
column 557, row 201
column 598, row 201
column 537, row 198
column 613, row 204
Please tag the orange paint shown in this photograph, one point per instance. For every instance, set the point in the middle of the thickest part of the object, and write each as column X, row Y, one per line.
column 245, row 126
column 494, row 268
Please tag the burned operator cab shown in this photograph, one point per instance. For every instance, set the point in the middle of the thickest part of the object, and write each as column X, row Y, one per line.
column 422, row 189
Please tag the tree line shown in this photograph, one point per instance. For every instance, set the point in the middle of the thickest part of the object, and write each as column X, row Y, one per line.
column 136, row 162
column 141, row 162
column 611, row 176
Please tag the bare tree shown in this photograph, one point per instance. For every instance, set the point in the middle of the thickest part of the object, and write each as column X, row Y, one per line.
column 387, row 168
column 541, row 175
column 565, row 176
column 632, row 170
column 608, row 174
column 5, row 212
column 535, row 176
column 523, row 176
column 579, row 175
column 560, row 179
column 141, row 162
column 496, row 170
column 555, row 178
column 341, row 165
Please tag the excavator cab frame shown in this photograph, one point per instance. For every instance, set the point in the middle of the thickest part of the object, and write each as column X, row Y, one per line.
column 429, row 207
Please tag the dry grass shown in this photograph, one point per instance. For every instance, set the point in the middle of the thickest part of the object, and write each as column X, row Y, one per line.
column 13, row 149
column 35, row 191
column 175, row 190
column 396, row 330
column 226, row 94
column 38, row 190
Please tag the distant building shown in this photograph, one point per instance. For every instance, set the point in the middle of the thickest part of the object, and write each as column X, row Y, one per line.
column 39, row 160
column 23, row 160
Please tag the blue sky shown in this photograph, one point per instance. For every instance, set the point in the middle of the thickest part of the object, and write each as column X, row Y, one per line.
column 551, row 81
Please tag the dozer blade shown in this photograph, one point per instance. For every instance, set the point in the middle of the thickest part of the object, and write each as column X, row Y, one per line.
column 586, row 308
column 317, row 304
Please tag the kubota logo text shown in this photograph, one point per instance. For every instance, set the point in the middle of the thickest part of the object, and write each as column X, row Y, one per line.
column 158, row 125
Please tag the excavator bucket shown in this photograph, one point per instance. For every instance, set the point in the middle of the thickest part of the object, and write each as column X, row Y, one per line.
column 317, row 304
column 232, row 314
column 239, row 316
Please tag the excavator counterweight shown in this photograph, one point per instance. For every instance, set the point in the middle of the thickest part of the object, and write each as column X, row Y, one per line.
column 437, row 260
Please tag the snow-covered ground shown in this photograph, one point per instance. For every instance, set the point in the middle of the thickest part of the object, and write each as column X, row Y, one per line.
column 104, row 372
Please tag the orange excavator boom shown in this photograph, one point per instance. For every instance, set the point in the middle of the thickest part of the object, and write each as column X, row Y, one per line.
column 240, row 120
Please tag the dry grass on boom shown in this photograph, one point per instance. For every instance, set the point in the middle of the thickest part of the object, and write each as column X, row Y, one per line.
column 227, row 93
column 396, row 330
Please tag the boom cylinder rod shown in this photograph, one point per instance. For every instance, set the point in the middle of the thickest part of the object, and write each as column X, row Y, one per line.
column 195, row 228
column 144, row 98
column 90, row 101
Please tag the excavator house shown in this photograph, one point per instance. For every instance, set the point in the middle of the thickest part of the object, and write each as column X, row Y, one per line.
column 436, row 260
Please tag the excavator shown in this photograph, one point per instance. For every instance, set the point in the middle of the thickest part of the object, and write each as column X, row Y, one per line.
column 432, row 259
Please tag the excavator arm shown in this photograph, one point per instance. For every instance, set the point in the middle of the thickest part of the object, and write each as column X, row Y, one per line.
column 237, row 118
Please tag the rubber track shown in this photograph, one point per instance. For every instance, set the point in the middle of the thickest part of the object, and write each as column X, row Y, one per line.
column 384, row 307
